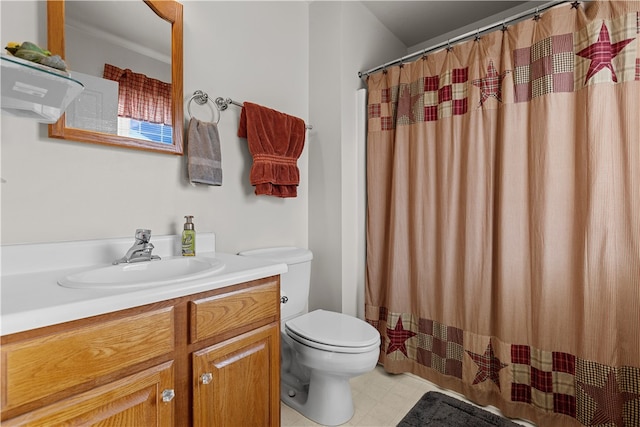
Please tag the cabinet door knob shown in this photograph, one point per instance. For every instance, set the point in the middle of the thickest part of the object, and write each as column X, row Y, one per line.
column 284, row 299
column 206, row 378
column 168, row 395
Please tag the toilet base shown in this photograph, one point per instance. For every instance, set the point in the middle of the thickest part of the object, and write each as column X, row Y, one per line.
column 333, row 408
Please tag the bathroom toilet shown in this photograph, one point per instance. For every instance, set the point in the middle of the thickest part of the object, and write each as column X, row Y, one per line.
column 320, row 350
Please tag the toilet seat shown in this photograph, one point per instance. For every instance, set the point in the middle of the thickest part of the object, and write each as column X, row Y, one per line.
column 335, row 332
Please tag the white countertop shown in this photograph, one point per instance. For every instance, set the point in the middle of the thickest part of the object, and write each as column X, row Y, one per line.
column 32, row 298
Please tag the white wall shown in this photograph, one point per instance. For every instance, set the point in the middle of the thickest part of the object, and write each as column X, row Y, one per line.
column 87, row 54
column 62, row 190
column 344, row 38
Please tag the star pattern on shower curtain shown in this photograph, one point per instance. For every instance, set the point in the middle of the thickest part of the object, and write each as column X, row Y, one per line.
column 410, row 107
column 491, row 84
column 398, row 338
column 601, row 53
column 489, row 366
column 610, row 401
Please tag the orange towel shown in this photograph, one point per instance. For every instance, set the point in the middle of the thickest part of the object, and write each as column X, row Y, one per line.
column 275, row 141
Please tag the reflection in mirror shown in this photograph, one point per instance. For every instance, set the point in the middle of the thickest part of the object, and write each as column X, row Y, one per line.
column 102, row 40
column 130, row 61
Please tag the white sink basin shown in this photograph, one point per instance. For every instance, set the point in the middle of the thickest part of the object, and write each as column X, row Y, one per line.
column 144, row 274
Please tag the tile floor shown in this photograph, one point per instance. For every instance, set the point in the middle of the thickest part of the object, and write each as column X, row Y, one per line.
column 402, row 392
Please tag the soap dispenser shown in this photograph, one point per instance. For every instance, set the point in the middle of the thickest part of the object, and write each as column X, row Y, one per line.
column 189, row 237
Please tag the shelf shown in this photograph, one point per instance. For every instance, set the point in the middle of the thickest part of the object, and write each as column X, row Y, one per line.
column 36, row 91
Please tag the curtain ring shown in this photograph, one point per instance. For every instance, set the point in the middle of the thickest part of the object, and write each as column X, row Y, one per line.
column 449, row 48
column 536, row 16
column 477, row 38
column 504, row 26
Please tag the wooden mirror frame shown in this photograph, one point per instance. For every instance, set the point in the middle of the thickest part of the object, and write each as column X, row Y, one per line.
column 169, row 10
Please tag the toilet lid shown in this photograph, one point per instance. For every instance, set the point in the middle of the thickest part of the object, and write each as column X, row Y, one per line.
column 327, row 329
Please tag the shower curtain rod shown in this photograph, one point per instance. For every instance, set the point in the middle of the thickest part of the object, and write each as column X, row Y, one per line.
column 476, row 33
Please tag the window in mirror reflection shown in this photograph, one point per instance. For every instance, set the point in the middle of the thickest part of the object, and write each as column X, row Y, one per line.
column 156, row 132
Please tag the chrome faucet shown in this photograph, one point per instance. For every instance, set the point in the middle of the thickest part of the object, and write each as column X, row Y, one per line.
column 141, row 249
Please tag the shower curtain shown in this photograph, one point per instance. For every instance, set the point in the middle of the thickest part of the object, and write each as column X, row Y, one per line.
column 503, row 234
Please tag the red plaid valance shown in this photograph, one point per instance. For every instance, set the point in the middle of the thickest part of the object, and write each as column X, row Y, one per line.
column 141, row 97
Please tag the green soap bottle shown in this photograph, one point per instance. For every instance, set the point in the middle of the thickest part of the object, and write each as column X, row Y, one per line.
column 189, row 237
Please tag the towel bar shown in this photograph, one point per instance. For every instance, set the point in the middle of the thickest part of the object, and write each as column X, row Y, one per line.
column 223, row 104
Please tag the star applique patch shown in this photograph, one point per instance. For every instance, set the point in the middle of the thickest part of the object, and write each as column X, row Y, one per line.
column 410, row 106
column 601, row 53
column 488, row 366
column 490, row 85
column 398, row 338
column 609, row 400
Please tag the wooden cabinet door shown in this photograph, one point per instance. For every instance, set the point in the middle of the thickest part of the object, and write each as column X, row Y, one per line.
column 45, row 366
column 237, row 382
column 142, row 399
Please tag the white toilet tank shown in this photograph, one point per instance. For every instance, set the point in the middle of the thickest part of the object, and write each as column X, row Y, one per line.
column 294, row 284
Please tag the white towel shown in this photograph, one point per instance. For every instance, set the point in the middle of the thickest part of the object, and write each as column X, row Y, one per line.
column 204, row 154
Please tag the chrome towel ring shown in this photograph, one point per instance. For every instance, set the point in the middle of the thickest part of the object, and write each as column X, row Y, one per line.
column 202, row 98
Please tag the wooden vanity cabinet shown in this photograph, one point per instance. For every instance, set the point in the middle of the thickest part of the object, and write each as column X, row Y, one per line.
column 136, row 400
column 207, row 359
column 219, row 395
column 236, row 381
column 114, row 369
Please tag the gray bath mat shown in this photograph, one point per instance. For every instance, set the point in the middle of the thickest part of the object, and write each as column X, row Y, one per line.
column 439, row 410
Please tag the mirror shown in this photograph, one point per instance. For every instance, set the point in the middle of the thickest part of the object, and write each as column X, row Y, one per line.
column 167, row 10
